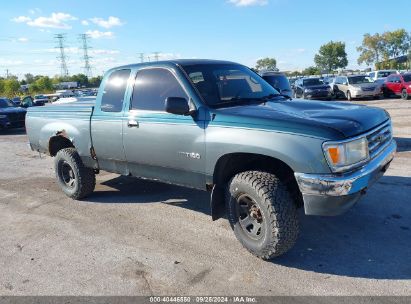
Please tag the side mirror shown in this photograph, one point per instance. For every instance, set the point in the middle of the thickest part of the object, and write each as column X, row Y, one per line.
column 177, row 105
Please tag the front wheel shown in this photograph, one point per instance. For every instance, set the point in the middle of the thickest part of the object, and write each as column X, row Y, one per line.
column 349, row 97
column 76, row 180
column 262, row 214
column 404, row 94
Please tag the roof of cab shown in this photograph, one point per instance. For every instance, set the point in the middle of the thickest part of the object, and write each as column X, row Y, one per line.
column 182, row 62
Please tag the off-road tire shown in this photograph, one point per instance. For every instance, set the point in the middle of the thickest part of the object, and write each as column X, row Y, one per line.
column 278, row 212
column 84, row 179
column 404, row 94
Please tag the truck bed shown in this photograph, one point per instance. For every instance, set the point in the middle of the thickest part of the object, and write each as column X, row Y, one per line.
column 72, row 118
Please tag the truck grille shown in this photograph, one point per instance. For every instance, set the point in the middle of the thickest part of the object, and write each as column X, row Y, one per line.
column 378, row 139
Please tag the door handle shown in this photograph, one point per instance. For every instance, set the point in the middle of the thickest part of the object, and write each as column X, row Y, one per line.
column 132, row 124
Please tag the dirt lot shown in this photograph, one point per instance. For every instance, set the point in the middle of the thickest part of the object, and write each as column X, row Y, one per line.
column 136, row 237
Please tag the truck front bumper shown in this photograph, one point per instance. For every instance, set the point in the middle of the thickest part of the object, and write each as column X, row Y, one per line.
column 334, row 194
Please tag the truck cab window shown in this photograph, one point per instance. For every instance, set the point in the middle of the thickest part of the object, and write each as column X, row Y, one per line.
column 114, row 90
column 152, row 87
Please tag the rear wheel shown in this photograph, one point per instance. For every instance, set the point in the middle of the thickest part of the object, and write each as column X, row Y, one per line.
column 76, row 180
column 262, row 213
column 404, row 94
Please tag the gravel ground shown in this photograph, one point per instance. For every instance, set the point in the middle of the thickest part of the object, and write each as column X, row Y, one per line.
column 135, row 237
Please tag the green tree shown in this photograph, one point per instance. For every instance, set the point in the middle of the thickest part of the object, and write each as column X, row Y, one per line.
column 1, row 86
column 42, row 85
column 266, row 64
column 331, row 56
column 312, row 70
column 94, row 82
column 396, row 43
column 29, row 78
column 81, row 79
column 372, row 50
column 11, row 87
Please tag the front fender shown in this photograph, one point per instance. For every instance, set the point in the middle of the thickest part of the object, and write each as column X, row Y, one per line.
column 300, row 153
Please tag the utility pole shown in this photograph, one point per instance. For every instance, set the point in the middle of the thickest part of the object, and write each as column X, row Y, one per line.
column 156, row 55
column 7, row 73
column 87, row 67
column 141, row 57
column 63, row 65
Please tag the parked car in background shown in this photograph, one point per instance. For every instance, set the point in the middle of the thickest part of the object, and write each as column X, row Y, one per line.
column 374, row 75
column 399, row 85
column 16, row 100
column 312, row 88
column 28, row 102
column 330, row 81
column 40, row 100
column 11, row 116
column 356, row 86
column 278, row 81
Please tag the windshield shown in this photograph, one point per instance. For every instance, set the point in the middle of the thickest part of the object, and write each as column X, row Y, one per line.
column 312, row 82
column 5, row 103
column 39, row 97
column 407, row 78
column 278, row 81
column 221, row 84
column 383, row 74
column 359, row 79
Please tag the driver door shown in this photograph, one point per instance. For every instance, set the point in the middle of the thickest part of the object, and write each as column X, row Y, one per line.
column 160, row 145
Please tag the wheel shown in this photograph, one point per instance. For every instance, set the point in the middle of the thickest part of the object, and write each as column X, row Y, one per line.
column 295, row 95
column 404, row 94
column 76, row 180
column 349, row 98
column 386, row 93
column 262, row 213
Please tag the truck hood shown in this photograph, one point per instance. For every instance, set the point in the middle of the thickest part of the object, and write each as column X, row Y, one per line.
column 334, row 120
column 11, row 110
column 317, row 87
column 365, row 85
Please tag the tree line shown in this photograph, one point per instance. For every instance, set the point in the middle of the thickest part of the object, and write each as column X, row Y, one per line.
column 379, row 50
column 11, row 86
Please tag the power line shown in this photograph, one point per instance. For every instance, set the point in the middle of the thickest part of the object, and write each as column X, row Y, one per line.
column 63, row 65
column 141, row 57
column 87, row 67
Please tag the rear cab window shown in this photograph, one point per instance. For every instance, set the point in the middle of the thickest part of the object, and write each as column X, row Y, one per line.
column 114, row 91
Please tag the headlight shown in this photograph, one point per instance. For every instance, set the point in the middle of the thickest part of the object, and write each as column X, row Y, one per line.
column 308, row 90
column 342, row 156
column 3, row 116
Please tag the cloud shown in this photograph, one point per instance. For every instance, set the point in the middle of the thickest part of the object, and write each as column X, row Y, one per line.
column 84, row 22
column 35, row 11
column 56, row 20
column 21, row 19
column 10, row 62
column 97, row 34
column 103, row 52
column 301, row 50
column 22, row 39
column 109, row 23
column 248, row 2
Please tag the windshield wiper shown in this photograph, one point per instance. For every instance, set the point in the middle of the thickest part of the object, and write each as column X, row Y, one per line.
column 272, row 96
column 249, row 100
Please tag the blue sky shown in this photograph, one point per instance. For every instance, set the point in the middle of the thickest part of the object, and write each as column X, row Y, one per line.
column 239, row 30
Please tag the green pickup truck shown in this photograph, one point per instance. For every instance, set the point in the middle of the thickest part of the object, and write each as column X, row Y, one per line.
column 218, row 126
